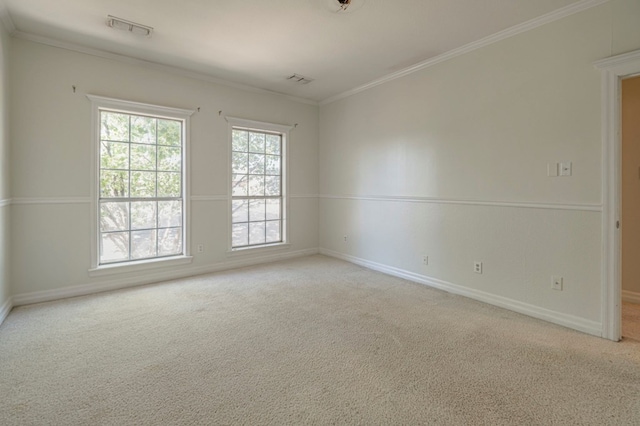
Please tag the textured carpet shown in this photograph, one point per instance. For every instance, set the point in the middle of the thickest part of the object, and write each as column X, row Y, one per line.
column 307, row 341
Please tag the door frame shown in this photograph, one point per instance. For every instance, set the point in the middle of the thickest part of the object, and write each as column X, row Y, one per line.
column 614, row 70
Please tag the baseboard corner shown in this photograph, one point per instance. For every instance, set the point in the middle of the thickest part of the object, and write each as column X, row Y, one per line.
column 630, row 296
column 5, row 309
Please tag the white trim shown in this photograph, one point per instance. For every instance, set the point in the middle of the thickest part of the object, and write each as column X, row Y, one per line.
column 150, row 278
column 6, row 202
column 613, row 70
column 630, row 296
column 304, row 196
column 153, row 65
column 258, row 125
column 5, row 309
column 6, row 18
column 266, row 248
column 436, row 200
column 51, row 200
column 561, row 13
column 209, row 198
column 143, row 265
column 570, row 321
column 132, row 106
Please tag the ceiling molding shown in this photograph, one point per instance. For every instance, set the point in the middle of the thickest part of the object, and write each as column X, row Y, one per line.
column 6, row 18
column 151, row 65
column 561, row 13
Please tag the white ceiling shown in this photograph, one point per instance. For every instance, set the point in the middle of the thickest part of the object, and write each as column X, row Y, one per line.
column 261, row 42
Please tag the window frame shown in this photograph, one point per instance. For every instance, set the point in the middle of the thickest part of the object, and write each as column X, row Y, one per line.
column 260, row 126
column 98, row 104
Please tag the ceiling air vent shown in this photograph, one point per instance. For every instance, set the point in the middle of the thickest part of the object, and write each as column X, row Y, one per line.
column 300, row 79
column 123, row 24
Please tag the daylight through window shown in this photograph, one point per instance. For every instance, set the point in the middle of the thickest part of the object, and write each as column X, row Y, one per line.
column 257, row 203
column 140, row 203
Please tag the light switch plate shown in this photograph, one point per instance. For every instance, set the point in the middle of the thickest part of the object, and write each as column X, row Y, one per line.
column 552, row 169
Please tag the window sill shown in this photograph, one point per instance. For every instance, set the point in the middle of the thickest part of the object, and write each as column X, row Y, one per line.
column 141, row 265
column 258, row 249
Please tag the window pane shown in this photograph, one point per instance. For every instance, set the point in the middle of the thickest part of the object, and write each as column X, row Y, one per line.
column 273, row 209
column 240, row 163
column 143, row 184
column 256, row 210
column 273, row 231
column 239, row 187
column 114, row 184
column 240, row 234
column 169, row 213
column 257, row 233
column 143, row 157
column 143, row 129
column 143, row 244
column 169, row 184
column 143, row 214
column 114, row 247
column 273, row 144
column 256, row 142
column 240, row 211
column 169, row 241
column 256, row 164
column 169, row 158
column 169, row 132
column 114, row 217
column 256, row 185
column 240, row 140
column 114, row 126
column 272, row 165
column 272, row 185
column 114, row 155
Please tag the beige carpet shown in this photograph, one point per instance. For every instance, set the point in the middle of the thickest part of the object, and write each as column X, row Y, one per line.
column 307, row 341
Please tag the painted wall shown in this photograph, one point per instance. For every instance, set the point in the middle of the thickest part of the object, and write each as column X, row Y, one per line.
column 631, row 186
column 51, row 136
column 5, row 174
column 451, row 162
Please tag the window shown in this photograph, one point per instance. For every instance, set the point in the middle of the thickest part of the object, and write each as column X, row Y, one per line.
column 258, row 201
column 140, row 203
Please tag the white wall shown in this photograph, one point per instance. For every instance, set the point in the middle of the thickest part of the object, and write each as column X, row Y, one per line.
column 51, row 136
column 5, row 175
column 468, row 141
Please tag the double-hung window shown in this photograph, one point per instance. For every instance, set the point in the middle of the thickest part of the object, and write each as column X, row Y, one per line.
column 258, row 183
column 140, row 186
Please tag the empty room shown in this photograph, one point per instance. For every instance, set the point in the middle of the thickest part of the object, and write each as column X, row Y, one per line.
column 319, row 212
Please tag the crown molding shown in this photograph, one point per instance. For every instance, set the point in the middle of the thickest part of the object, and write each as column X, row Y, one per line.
column 561, row 13
column 6, row 18
column 151, row 65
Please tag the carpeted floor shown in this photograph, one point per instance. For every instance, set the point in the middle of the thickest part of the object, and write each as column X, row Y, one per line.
column 307, row 341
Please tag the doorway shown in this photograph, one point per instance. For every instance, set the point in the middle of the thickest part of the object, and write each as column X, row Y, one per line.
column 630, row 207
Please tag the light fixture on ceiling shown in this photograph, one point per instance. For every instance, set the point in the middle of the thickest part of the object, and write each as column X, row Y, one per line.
column 123, row 24
column 344, row 5
column 300, row 79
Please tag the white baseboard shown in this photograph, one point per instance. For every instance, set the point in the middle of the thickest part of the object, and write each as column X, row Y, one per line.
column 149, row 278
column 630, row 296
column 5, row 309
column 569, row 321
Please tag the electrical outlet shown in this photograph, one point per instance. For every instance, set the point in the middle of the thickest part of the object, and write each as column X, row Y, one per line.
column 345, row 238
column 556, row 283
column 200, row 248
column 425, row 260
column 477, row 267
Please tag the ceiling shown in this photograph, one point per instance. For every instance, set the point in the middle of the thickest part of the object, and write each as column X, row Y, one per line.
column 261, row 42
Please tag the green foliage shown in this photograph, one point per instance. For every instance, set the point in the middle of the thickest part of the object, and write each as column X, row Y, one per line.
column 143, row 129
column 256, row 142
column 169, row 132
